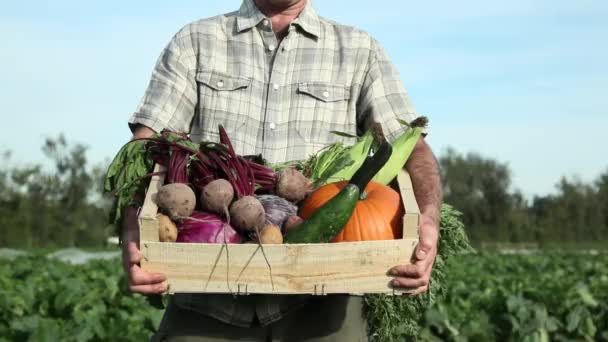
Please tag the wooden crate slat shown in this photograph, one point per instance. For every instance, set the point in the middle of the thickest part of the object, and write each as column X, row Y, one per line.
column 349, row 267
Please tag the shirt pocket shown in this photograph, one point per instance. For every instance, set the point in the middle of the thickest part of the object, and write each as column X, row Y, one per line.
column 224, row 99
column 323, row 107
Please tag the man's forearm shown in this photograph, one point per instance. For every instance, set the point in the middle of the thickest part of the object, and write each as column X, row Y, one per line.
column 424, row 171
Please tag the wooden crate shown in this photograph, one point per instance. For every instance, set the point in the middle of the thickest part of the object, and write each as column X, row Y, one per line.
column 346, row 267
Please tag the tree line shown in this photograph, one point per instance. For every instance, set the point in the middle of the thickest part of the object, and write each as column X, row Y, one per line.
column 480, row 188
column 64, row 206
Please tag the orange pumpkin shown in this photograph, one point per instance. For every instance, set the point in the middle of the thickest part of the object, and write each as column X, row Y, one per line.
column 379, row 216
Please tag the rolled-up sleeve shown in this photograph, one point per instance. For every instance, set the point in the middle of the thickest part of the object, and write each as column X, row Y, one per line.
column 170, row 99
column 383, row 98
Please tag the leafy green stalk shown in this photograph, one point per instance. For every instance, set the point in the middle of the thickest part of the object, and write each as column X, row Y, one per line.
column 338, row 162
column 124, row 179
column 392, row 318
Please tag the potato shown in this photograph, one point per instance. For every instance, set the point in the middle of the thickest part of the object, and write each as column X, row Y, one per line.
column 167, row 230
column 176, row 200
column 271, row 234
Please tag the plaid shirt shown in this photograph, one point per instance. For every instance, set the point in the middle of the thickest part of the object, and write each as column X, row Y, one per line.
column 278, row 98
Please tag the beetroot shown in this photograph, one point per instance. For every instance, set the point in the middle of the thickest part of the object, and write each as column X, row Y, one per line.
column 217, row 196
column 247, row 214
column 293, row 185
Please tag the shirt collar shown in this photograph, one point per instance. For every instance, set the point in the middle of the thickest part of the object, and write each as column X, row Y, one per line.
column 308, row 20
column 249, row 16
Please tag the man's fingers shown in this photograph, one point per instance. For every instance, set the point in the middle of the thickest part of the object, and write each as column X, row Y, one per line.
column 137, row 276
column 412, row 276
column 417, row 291
column 410, row 283
column 134, row 255
column 150, row 288
column 415, row 277
column 417, row 270
column 410, row 271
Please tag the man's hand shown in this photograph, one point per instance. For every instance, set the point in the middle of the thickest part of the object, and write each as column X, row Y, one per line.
column 140, row 281
column 415, row 278
column 424, row 171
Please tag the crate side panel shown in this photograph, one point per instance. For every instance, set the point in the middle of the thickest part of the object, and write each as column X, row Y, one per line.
column 411, row 219
column 150, row 208
column 411, row 223
column 148, row 224
column 148, row 229
column 352, row 267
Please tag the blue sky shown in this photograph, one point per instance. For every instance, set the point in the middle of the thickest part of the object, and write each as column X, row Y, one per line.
column 523, row 81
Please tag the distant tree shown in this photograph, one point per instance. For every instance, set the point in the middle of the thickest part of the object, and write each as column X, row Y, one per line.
column 479, row 187
column 573, row 214
column 51, row 209
column 602, row 198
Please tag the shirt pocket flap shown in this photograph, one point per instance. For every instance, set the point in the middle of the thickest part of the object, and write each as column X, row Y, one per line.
column 222, row 81
column 324, row 91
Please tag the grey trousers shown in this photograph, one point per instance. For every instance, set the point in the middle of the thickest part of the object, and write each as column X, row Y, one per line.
column 323, row 319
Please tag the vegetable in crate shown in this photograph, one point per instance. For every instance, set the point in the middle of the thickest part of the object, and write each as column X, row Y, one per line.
column 337, row 162
column 292, row 185
column 277, row 209
column 378, row 214
column 167, row 230
column 133, row 164
column 271, row 234
column 247, row 214
column 402, row 149
column 176, row 200
column 328, row 221
column 292, row 223
column 204, row 227
column 217, row 196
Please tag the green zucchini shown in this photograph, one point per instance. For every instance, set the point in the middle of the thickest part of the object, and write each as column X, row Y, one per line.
column 329, row 220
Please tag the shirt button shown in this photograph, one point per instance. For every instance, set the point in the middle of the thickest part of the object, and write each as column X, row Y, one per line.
column 220, row 84
column 275, row 87
column 272, row 126
column 266, row 22
column 326, row 94
column 271, row 47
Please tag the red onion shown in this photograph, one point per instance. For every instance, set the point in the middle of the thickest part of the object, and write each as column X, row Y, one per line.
column 277, row 209
column 204, row 227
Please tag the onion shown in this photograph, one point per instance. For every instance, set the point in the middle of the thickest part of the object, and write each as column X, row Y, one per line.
column 277, row 209
column 204, row 227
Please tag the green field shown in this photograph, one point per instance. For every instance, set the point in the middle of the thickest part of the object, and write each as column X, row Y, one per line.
column 538, row 297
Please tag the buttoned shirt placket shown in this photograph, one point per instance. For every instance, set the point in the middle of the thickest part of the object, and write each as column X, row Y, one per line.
column 276, row 56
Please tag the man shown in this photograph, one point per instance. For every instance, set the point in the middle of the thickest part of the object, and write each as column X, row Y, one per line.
column 279, row 78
